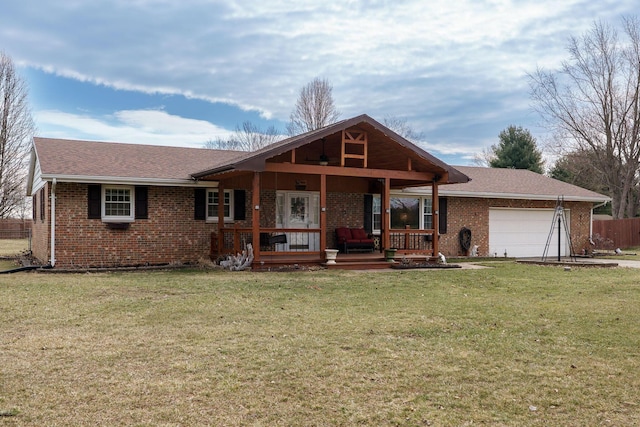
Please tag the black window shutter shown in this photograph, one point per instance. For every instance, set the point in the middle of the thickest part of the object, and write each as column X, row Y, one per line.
column 142, row 203
column 368, row 213
column 94, row 209
column 239, row 208
column 200, row 203
column 42, row 198
column 442, row 219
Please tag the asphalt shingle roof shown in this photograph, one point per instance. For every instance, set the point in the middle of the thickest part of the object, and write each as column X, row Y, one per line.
column 516, row 183
column 71, row 158
column 107, row 159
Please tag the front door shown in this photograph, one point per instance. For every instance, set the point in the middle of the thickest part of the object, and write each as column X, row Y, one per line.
column 299, row 210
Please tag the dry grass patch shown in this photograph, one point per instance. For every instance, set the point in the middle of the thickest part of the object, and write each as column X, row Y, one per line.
column 13, row 247
column 513, row 345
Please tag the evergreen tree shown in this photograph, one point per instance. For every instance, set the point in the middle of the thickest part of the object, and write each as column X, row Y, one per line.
column 517, row 150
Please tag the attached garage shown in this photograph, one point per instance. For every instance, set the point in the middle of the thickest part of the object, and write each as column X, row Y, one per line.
column 524, row 232
column 511, row 210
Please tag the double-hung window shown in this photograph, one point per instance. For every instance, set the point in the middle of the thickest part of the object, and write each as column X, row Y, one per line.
column 118, row 204
column 427, row 212
column 213, row 203
column 376, row 211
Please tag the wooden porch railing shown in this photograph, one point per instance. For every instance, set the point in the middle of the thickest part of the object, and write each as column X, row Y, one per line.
column 272, row 240
column 286, row 241
column 412, row 241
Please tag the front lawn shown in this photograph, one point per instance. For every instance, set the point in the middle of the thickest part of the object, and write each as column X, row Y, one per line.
column 510, row 345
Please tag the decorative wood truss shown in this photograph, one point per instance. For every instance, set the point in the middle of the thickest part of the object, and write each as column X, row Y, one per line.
column 354, row 146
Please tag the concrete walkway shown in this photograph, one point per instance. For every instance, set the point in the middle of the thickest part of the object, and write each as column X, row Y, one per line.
column 603, row 261
column 621, row 262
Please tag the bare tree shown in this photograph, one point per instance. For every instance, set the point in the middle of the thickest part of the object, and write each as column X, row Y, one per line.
column 593, row 103
column 248, row 137
column 16, row 130
column 484, row 157
column 402, row 128
column 577, row 168
column 219, row 143
column 314, row 108
column 251, row 137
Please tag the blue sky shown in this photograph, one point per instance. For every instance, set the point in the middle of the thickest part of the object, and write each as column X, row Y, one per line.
column 183, row 72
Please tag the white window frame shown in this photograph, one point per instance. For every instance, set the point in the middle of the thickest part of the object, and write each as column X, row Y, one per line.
column 424, row 202
column 214, row 218
column 132, row 206
column 376, row 209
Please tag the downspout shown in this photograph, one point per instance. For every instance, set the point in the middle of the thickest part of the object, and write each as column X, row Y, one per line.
column 52, row 262
column 591, row 222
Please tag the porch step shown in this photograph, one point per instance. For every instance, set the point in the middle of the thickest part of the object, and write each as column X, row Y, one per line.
column 364, row 261
column 352, row 261
column 358, row 265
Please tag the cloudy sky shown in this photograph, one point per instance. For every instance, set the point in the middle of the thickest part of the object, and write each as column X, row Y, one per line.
column 183, row 72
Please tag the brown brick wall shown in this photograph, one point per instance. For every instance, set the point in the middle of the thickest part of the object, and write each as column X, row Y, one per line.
column 169, row 235
column 343, row 210
column 473, row 213
column 172, row 235
column 267, row 209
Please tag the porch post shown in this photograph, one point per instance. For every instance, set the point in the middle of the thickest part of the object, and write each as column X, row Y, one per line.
column 386, row 214
column 323, row 213
column 220, row 217
column 255, row 216
column 435, row 207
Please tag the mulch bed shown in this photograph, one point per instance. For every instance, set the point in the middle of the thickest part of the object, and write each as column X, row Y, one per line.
column 411, row 265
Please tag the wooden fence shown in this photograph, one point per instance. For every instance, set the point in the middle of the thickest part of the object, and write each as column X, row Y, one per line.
column 617, row 233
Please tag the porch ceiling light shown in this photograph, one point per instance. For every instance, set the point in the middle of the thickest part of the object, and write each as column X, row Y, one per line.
column 324, row 159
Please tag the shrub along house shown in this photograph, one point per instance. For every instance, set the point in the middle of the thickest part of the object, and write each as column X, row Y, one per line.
column 99, row 204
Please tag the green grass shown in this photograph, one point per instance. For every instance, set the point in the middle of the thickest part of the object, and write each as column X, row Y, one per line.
column 412, row 347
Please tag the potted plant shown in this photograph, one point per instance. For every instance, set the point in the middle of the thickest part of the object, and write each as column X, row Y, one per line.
column 390, row 254
column 331, row 255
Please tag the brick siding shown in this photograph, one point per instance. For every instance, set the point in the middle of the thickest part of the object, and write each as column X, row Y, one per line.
column 170, row 234
column 343, row 210
column 473, row 213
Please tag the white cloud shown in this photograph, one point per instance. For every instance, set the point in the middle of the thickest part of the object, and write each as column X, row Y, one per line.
column 141, row 126
column 446, row 65
column 251, row 53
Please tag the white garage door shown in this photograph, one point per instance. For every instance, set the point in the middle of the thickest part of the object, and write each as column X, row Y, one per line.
column 524, row 232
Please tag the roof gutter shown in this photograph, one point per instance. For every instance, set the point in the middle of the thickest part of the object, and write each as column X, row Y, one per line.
column 221, row 169
column 117, row 180
column 487, row 195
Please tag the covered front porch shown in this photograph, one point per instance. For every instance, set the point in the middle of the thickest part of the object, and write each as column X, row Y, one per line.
column 299, row 191
column 280, row 246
